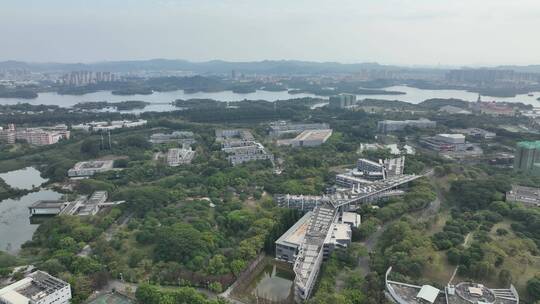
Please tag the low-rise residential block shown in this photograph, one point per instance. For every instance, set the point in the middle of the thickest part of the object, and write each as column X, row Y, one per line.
column 40, row 136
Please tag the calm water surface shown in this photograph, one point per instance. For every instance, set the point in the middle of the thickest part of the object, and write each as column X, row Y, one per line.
column 15, row 226
column 26, row 178
column 273, row 283
column 161, row 101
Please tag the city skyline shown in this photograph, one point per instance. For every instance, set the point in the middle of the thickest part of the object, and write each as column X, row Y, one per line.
column 412, row 32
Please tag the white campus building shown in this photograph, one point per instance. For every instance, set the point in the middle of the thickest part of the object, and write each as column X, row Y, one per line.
column 240, row 146
column 38, row 288
column 180, row 156
column 108, row 126
column 89, row 168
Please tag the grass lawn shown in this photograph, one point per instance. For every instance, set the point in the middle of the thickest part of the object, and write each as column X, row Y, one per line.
column 519, row 260
column 441, row 271
column 438, row 223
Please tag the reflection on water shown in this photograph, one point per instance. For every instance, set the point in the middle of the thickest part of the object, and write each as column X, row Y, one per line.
column 274, row 283
column 26, row 178
column 16, row 227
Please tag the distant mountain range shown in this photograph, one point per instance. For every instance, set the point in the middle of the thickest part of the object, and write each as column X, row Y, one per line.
column 219, row 66
column 214, row 66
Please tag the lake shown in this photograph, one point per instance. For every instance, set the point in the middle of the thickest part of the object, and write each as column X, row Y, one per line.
column 160, row 101
column 15, row 225
column 26, row 178
column 414, row 95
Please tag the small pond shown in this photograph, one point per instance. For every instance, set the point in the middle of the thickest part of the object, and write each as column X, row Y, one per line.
column 274, row 284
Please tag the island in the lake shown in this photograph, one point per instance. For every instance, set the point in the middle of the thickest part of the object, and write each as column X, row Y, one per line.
column 120, row 106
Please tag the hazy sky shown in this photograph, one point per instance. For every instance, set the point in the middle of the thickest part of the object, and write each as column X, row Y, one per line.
column 428, row 32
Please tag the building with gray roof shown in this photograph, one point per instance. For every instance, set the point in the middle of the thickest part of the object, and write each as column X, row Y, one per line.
column 461, row 293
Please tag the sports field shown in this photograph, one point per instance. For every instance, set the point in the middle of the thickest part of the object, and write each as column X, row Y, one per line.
column 113, row 298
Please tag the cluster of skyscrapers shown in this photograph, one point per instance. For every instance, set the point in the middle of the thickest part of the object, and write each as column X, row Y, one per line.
column 342, row 101
column 82, row 78
column 490, row 76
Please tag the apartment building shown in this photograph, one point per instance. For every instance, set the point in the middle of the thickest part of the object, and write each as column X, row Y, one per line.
column 35, row 136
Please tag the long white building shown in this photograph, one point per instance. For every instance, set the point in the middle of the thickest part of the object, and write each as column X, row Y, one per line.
column 308, row 138
column 387, row 126
column 310, row 241
column 279, row 128
column 97, row 126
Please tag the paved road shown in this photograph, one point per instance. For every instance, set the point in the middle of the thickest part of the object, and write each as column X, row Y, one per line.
column 109, row 233
column 465, row 243
column 370, row 243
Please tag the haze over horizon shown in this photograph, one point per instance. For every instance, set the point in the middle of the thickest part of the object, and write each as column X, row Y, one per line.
column 406, row 32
